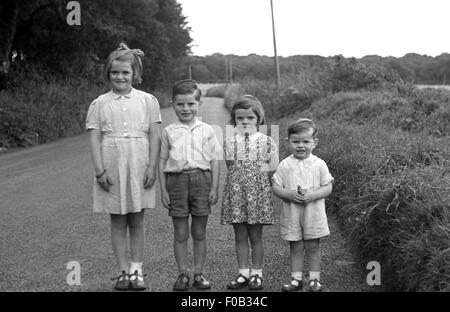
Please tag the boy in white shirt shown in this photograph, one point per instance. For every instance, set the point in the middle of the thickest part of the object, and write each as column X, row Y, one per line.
column 189, row 179
column 303, row 181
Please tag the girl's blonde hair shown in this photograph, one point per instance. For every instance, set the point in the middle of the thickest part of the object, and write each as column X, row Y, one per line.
column 246, row 102
column 125, row 54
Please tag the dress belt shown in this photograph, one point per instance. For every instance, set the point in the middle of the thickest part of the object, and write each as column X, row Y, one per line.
column 127, row 134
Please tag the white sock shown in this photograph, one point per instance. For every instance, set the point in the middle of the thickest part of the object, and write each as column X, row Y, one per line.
column 243, row 272
column 314, row 275
column 256, row 272
column 135, row 266
column 298, row 276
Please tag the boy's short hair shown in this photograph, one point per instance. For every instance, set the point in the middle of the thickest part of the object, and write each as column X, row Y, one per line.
column 302, row 125
column 186, row 86
column 125, row 54
column 246, row 102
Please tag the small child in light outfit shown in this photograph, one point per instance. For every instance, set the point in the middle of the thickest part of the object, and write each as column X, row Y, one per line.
column 303, row 181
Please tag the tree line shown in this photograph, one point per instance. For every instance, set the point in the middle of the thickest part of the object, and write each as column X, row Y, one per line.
column 414, row 68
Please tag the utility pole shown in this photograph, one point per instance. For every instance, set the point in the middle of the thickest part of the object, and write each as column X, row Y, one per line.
column 230, row 68
column 226, row 71
column 277, row 65
column 190, row 71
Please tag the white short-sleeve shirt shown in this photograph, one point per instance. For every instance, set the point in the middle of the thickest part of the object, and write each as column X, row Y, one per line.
column 187, row 148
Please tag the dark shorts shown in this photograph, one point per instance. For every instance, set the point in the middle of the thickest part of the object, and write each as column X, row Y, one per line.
column 189, row 193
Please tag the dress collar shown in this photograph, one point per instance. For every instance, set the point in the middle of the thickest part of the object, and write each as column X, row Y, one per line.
column 116, row 96
column 252, row 137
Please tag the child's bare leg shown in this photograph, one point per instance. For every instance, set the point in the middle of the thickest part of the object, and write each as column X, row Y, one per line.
column 255, row 233
column 198, row 232
column 242, row 248
column 181, row 236
column 136, row 226
column 297, row 256
column 119, row 240
column 313, row 253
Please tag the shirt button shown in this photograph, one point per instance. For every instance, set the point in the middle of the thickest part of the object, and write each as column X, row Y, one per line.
column 125, row 123
column 125, row 134
column 124, row 109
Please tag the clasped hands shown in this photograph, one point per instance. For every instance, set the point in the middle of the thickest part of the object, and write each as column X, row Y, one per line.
column 305, row 197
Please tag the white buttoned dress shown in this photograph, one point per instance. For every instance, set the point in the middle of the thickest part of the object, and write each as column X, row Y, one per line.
column 124, row 121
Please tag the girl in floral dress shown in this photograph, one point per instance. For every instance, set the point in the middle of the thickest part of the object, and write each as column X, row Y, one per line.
column 251, row 158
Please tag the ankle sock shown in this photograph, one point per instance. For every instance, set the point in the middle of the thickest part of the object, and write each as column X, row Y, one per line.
column 314, row 275
column 245, row 273
column 298, row 276
column 256, row 272
column 135, row 266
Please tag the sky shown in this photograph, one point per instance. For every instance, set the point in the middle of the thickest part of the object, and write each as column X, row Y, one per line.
column 353, row 28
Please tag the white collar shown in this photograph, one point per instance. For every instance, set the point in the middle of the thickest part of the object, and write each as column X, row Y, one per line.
column 116, row 96
column 307, row 162
column 197, row 123
column 252, row 137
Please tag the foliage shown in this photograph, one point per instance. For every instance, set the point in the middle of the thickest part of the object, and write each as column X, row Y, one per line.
column 155, row 26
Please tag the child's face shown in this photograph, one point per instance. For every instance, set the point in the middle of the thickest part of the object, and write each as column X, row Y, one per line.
column 246, row 120
column 121, row 76
column 302, row 144
column 186, row 107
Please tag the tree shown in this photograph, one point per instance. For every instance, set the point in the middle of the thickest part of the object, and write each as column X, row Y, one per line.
column 38, row 31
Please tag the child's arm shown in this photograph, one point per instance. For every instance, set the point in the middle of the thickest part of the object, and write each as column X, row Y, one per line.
column 163, row 156
column 95, row 140
column 162, row 182
column 215, row 173
column 154, row 141
column 313, row 195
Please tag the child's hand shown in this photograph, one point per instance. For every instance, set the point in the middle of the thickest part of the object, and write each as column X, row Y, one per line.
column 307, row 196
column 105, row 182
column 213, row 197
column 149, row 177
column 165, row 198
column 295, row 197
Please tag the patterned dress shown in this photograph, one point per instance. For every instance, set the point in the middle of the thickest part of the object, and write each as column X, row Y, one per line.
column 247, row 194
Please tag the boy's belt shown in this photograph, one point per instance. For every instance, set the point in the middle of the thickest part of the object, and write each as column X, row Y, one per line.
column 188, row 171
column 192, row 170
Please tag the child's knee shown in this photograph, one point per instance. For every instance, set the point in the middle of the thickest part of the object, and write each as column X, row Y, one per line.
column 181, row 237
column 198, row 235
column 241, row 237
column 136, row 224
column 312, row 246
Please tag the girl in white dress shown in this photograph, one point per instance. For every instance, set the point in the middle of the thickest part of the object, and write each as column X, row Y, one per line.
column 124, row 140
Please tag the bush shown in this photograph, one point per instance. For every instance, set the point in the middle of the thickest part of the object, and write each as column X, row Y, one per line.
column 401, row 220
column 38, row 111
column 216, row 91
